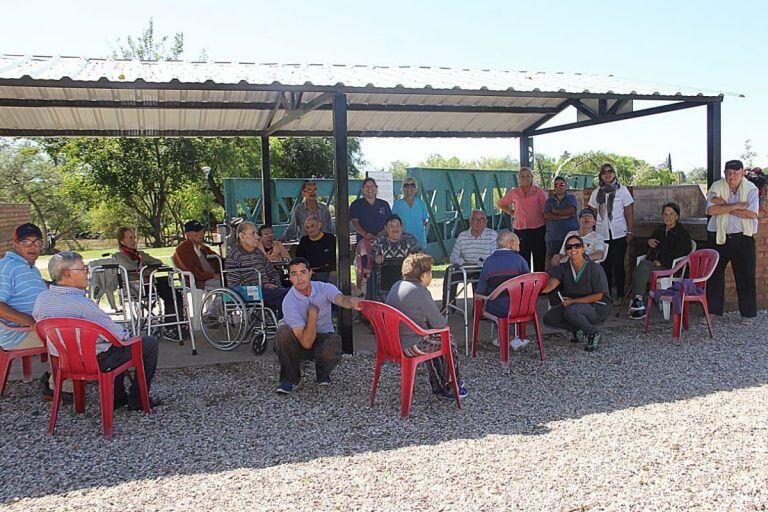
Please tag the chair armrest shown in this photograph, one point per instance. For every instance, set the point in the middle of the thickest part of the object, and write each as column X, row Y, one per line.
column 6, row 327
column 129, row 342
column 481, row 297
column 429, row 332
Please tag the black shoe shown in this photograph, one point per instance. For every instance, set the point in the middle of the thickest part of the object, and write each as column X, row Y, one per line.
column 47, row 392
column 153, row 402
column 578, row 337
column 593, row 340
column 120, row 403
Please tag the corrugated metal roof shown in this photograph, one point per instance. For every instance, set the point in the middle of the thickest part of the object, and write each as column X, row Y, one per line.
column 75, row 94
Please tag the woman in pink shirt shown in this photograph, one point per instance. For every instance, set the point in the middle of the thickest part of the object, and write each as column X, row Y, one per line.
column 526, row 205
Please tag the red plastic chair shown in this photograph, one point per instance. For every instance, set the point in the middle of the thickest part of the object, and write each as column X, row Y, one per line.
column 701, row 265
column 523, row 294
column 75, row 342
column 386, row 322
column 7, row 357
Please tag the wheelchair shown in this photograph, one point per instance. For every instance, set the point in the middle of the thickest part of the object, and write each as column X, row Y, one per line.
column 236, row 315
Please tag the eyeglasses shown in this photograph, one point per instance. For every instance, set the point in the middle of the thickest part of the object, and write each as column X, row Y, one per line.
column 569, row 247
column 29, row 243
column 409, row 185
column 87, row 270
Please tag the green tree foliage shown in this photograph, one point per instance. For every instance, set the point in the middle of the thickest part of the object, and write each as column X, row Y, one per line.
column 437, row 161
column 146, row 46
column 58, row 196
column 304, row 157
column 748, row 155
column 399, row 169
column 649, row 175
column 697, row 175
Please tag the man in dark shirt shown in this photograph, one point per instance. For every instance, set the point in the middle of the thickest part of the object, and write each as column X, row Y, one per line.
column 319, row 249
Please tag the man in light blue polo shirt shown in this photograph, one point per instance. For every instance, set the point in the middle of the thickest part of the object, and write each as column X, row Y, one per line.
column 308, row 332
column 20, row 284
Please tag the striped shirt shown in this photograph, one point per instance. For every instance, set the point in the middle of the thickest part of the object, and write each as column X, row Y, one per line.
column 69, row 302
column 20, row 284
column 468, row 250
column 255, row 259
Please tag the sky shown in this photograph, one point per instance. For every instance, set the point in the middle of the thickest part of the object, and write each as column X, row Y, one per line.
column 718, row 46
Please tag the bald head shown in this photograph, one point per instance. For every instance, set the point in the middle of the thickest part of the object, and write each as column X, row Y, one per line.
column 508, row 240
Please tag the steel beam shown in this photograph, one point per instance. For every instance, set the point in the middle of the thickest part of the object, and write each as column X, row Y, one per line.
column 299, row 112
column 538, row 124
column 526, row 152
column 616, row 106
column 714, row 143
column 341, row 175
column 619, row 117
column 266, row 182
column 581, row 107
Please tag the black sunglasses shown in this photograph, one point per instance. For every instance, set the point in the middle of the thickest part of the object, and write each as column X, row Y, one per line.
column 409, row 185
column 568, row 247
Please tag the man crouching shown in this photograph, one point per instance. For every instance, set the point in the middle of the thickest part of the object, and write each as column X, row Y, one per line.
column 308, row 331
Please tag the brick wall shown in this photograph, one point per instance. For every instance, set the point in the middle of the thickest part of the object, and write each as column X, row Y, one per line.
column 12, row 215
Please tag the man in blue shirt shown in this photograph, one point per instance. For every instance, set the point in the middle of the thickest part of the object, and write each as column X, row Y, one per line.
column 560, row 213
column 308, row 331
column 368, row 213
column 66, row 299
column 20, row 285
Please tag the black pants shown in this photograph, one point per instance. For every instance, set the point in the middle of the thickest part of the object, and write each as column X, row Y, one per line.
column 739, row 249
column 165, row 292
column 326, row 351
column 116, row 356
column 614, row 264
column 532, row 242
column 577, row 316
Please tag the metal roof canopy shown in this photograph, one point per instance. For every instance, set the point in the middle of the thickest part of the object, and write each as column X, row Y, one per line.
column 46, row 96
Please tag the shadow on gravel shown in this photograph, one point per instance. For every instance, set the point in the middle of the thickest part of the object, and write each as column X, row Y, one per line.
column 225, row 417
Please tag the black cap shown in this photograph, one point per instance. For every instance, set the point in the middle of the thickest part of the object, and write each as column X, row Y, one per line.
column 26, row 230
column 734, row 165
column 193, row 225
column 586, row 211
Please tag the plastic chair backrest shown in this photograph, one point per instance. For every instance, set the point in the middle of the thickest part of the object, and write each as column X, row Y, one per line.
column 386, row 322
column 523, row 293
column 75, row 342
column 701, row 264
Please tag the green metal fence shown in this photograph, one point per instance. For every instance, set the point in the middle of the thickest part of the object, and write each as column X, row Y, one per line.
column 450, row 194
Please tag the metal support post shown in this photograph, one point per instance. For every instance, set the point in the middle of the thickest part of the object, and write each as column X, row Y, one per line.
column 341, row 175
column 714, row 144
column 266, row 182
column 526, row 152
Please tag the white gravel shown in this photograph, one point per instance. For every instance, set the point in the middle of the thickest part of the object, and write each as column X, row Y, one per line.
column 639, row 425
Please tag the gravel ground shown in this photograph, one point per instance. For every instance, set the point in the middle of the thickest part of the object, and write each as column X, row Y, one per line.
column 640, row 424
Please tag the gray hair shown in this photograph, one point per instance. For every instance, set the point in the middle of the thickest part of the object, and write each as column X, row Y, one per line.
column 312, row 218
column 243, row 226
column 478, row 210
column 60, row 262
column 505, row 238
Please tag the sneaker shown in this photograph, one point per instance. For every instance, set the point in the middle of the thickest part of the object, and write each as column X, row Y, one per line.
column 324, row 383
column 47, row 392
column 746, row 320
column 517, row 343
column 171, row 334
column 638, row 314
column 593, row 340
column 578, row 337
column 285, row 388
column 447, row 394
column 636, row 304
column 495, row 342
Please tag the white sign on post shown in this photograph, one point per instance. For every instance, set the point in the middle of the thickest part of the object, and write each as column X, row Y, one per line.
column 386, row 187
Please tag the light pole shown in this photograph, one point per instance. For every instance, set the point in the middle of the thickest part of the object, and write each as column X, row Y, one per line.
column 207, row 172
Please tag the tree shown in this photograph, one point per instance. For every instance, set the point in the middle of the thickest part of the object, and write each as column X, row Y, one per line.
column 748, row 155
column 399, row 169
column 697, row 175
column 305, row 157
column 146, row 47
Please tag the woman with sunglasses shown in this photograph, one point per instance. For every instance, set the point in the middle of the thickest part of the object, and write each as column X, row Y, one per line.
column 615, row 221
column 413, row 211
column 585, row 296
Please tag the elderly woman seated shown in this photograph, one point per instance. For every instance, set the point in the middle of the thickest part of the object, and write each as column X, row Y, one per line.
column 411, row 296
column 668, row 242
column 388, row 251
column 130, row 258
column 247, row 255
column 594, row 246
column 585, row 296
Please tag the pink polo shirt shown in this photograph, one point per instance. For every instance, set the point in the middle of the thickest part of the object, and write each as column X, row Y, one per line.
column 529, row 208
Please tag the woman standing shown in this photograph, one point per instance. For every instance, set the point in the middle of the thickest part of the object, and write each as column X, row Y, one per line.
column 585, row 296
column 526, row 204
column 615, row 222
column 412, row 297
column 413, row 211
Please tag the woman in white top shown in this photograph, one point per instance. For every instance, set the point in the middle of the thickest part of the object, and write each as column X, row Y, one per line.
column 594, row 246
column 613, row 204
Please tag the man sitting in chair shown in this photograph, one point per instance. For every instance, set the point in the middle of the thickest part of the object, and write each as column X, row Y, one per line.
column 504, row 264
column 66, row 299
column 20, row 285
column 192, row 256
column 308, row 331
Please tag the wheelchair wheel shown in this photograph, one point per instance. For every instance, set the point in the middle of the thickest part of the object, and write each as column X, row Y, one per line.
column 224, row 318
column 263, row 327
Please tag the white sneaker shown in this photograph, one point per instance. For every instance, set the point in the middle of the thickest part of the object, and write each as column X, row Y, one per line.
column 495, row 342
column 517, row 343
